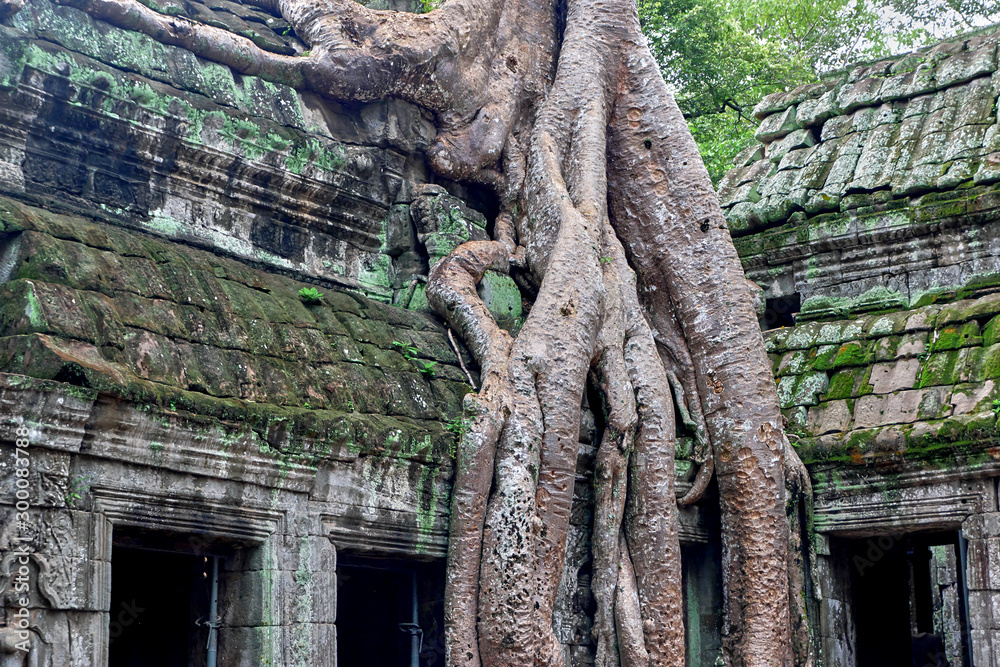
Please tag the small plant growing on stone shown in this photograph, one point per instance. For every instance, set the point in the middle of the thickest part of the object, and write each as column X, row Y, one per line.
column 410, row 352
column 456, row 426
column 77, row 487
column 426, row 368
column 996, row 408
column 310, row 295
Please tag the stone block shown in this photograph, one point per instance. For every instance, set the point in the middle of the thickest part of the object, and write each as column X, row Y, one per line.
column 984, row 609
column 829, row 417
column 793, row 363
column 802, row 389
column 984, row 364
column 868, row 411
column 984, row 564
column 953, row 337
column 863, row 93
column 252, row 646
column 971, row 398
column 880, row 410
column 912, row 344
column 983, row 651
column 777, row 125
column 833, row 618
column 887, row 378
column 980, row 526
column 943, row 368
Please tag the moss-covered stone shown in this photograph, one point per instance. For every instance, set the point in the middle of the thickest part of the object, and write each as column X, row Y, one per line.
column 854, row 353
column 991, row 332
column 167, row 320
column 942, row 368
column 953, row 337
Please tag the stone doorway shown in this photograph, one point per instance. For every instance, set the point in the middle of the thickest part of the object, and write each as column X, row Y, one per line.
column 390, row 613
column 910, row 601
column 159, row 602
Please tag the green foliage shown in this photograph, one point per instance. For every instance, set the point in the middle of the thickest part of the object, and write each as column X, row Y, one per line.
column 310, row 295
column 723, row 58
column 457, row 427
column 425, row 6
column 426, row 368
column 996, row 408
column 410, row 352
column 75, row 490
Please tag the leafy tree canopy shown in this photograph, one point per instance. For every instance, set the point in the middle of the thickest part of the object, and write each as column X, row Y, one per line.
column 723, row 57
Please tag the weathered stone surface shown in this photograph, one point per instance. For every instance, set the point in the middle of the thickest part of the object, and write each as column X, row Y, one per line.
column 889, row 134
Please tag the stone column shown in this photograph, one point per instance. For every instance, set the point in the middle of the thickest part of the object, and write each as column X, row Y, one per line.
column 836, row 636
column 983, row 580
column 278, row 604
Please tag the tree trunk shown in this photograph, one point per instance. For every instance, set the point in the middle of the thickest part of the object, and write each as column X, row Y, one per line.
column 608, row 211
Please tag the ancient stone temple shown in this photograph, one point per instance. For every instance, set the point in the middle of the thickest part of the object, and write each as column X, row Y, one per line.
column 228, row 420
column 869, row 216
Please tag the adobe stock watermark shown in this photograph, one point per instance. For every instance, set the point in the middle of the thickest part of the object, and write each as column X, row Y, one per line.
column 128, row 613
column 20, row 572
column 878, row 547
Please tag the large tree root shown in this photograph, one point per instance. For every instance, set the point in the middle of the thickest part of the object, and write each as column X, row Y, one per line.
column 608, row 210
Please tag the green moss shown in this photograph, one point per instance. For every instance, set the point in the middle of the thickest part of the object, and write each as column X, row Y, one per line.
column 987, row 367
column 845, row 383
column 979, row 283
column 818, row 306
column 957, row 336
column 991, row 332
column 942, row 368
column 502, row 297
column 13, row 56
column 854, row 353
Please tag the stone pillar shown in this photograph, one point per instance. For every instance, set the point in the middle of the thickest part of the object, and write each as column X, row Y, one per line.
column 69, row 588
column 278, row 604
column 251, row 629
column 835, row 636
column 946, row 600
column 983, row 579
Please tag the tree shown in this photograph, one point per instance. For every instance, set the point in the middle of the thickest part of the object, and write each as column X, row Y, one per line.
column 608, row 212
column 723, row 58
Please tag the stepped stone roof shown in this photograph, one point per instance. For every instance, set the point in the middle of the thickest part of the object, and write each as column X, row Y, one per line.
column 212, row 340
column 878, row 188
column 910, row 125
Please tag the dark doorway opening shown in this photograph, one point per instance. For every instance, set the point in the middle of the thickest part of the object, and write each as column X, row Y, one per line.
column 156, row 599
column 780, row 311
column 909, row 600
column 390, row 613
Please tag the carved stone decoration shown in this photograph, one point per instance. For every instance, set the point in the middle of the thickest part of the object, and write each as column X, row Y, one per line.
column 43, row 591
